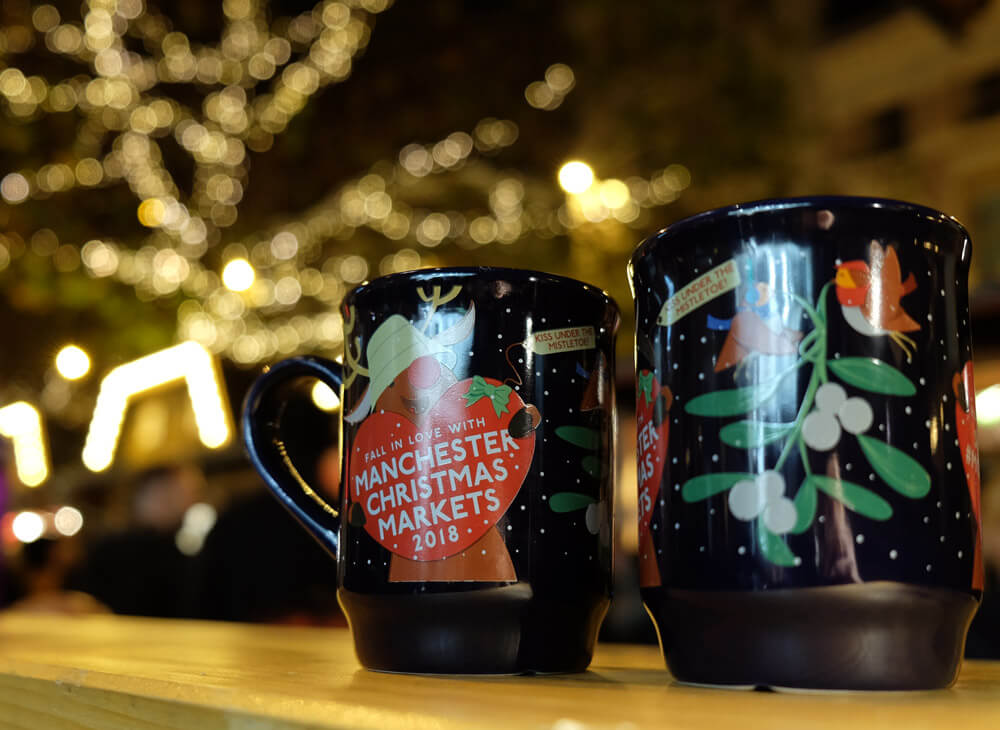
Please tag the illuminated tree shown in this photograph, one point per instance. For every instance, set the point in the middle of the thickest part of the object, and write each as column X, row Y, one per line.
column 145, row 148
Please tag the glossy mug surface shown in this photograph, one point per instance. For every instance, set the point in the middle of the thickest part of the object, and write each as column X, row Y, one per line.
column 808, row 468
column 477, row 443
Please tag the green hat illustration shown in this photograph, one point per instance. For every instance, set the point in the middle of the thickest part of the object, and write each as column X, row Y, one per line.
column 395, row 345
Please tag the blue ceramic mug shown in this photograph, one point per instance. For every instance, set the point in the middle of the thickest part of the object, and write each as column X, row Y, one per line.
column 808, row 470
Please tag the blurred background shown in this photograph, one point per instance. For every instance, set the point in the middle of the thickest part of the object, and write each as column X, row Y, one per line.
column 188, row 189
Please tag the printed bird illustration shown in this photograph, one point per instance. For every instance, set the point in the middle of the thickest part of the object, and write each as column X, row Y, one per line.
column 869, row 293
column 749, row 334
column 755, row 330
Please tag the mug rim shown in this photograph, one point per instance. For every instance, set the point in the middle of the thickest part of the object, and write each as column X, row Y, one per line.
column 494, row 272
column 768, row 205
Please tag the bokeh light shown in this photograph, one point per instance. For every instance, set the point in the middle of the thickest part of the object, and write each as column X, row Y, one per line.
column 28, row 526
column 576, row 177
column 323, row 397
column 68, row 521
column 238, row 275
column 72, row 362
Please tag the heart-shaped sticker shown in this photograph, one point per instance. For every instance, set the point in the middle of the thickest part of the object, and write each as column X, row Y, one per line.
column 431, row 488
column 653, row 427
column 965, row 426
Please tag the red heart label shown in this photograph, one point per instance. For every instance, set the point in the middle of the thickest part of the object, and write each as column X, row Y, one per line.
column 431, row 489
column 651, row 453
column 965, row 425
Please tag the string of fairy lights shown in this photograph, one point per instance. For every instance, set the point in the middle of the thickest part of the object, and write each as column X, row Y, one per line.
column 261, row 74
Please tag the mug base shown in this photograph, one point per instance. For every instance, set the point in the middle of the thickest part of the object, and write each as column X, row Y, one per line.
column 872, row 636
column 499, row 630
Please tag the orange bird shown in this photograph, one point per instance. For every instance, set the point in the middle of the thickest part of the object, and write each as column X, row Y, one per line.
column 870, row 292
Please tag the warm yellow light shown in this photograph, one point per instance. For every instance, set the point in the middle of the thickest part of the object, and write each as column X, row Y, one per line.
column 323, row 397
column 238, row 275
column 14, row 188
column 28, row 526
column 575, row 176
column 614, row 193
column 68, row 521
column 188, row 361
column 72, row 362
column 22, row 424
column 988, row 406
column 151, row 212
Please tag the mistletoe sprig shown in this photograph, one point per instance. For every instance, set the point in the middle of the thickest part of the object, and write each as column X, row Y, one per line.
column 824, row 413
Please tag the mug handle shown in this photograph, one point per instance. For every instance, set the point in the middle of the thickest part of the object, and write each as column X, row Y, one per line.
column 262, row 412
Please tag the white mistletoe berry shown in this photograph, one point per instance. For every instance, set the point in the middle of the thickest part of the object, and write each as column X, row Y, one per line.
column 771, row 484
column 780, row 515
column 594, row 517
column 821, row 431
column 856, row 415
column 746, row 500
column 830, row 397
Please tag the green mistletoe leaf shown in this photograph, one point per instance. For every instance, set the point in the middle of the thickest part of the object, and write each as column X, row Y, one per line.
column 853, row 496
column 897, row 469
column 704, row 486
column 569, row 501
column 752, row 434
column 733, row 402
column 499, row 395
column 593, row 466
column 871, row 374
column 585, row 438
column 805, row 507
column 773, row 547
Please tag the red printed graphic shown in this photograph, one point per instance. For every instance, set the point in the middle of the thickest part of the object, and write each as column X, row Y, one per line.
column 653, row 425
column 431, row 488
column 965, row 425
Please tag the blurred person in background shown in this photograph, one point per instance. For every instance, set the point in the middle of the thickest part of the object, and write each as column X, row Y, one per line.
column 141, row 570
column 39, row 576
column 258, row 565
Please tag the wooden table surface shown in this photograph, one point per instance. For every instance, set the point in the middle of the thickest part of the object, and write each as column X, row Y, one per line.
column 137, row 674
